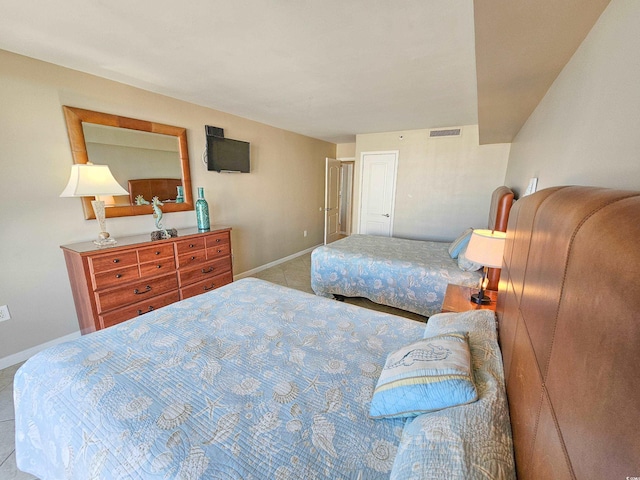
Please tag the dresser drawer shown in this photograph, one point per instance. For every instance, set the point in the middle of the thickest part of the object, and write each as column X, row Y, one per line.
column 186, row 246
column 204, row 271
column 135, row 292
column 111, row 285
column 161, row 265
column 217, row 251
column 137, row 309
column 218, row 239
column 206, row 285
column 114, row 277
column 191, row 258
column 110, row 261
column 155, row 252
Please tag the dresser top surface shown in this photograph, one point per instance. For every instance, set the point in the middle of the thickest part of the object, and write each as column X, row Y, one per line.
column 144, row 238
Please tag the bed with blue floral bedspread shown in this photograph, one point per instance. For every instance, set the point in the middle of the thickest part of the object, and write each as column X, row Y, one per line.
column 250, row 381
column 408, row 274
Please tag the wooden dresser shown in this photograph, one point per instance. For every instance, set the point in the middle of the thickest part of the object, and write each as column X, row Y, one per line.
column 136, row 276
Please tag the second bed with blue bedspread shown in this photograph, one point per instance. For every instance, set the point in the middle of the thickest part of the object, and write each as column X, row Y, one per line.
column 408, row 274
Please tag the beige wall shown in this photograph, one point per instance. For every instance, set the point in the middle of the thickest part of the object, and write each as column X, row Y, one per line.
column 346, row 150
column 443, row 186
column 268, row 209
column 586, row 129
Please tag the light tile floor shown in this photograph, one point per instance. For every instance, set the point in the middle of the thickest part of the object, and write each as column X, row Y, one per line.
column 8, row 469
column 294, row 274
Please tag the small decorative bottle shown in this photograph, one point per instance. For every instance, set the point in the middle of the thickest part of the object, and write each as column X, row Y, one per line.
column 202, row 211
column 180, row 197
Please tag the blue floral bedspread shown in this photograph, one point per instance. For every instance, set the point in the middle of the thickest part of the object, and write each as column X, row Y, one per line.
column 251, row 381
column 470, row 441
column 408, row 274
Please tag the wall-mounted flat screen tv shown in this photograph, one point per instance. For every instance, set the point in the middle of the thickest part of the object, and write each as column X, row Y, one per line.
column 228, row 155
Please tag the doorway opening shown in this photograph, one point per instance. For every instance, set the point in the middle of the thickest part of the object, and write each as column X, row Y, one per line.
column 338, row 205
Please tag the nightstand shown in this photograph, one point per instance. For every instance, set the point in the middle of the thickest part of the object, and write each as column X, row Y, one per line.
column 456, row 299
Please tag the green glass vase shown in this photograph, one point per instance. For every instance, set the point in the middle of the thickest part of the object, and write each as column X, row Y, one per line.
column 202, row 212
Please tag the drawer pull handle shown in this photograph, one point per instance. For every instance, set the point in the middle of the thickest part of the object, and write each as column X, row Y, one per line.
column 118, row 275
column 217, row 240
column 191, row 245
column 138, row 292
column 116, row 260
column 219, row 250
column 157, row 253
column 158, row 266
column 193, row 257
column 213, row 285
column 140, row 312
column 208, row 270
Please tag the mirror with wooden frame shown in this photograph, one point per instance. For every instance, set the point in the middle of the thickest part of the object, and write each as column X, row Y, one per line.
column 147, row 158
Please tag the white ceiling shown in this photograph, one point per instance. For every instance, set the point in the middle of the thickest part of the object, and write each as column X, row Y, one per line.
column 329, row 69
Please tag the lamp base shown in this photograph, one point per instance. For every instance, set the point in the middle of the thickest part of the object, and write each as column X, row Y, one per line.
column 105, row 240
column 480, row 299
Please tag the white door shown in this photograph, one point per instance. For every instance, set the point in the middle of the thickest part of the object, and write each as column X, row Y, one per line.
column 331, row 200
column 378, row 193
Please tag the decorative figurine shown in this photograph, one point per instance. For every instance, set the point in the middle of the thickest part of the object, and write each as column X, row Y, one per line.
column 141, row 201
column 162, row 232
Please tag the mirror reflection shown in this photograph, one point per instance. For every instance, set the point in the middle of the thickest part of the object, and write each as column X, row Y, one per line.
column 146, row 164
column 147, row 158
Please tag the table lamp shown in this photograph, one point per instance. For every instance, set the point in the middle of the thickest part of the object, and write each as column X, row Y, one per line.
column 485, row 248
column 89, row 180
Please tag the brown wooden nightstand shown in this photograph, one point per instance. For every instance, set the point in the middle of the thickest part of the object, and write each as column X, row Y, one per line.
column 456, row 299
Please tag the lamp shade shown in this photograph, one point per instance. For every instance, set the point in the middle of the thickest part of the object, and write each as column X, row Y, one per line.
column 486, row 247
column 87, row 180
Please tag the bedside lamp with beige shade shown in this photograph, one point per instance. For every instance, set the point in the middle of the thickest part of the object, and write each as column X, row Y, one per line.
column 485, row 248
column 89, row 180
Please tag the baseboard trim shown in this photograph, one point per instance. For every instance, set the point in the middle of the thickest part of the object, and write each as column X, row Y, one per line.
column 248, row 273
column 25, row 355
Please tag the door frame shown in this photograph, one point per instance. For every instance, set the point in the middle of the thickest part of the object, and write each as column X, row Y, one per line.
column 396, row 154
column 327, row 190
column 347, row 199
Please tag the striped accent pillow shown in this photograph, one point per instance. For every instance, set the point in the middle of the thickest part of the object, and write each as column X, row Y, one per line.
column 427, row 375
column 460, row 243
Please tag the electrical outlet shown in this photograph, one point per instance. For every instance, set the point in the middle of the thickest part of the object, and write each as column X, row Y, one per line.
column 4, row 313
column 304, row 233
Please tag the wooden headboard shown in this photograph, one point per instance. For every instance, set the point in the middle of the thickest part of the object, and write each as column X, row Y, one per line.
column 163, row 188
column 569, row 324
column 501, row 202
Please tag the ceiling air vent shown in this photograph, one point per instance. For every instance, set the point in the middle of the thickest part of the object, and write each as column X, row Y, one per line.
column 445, row 132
